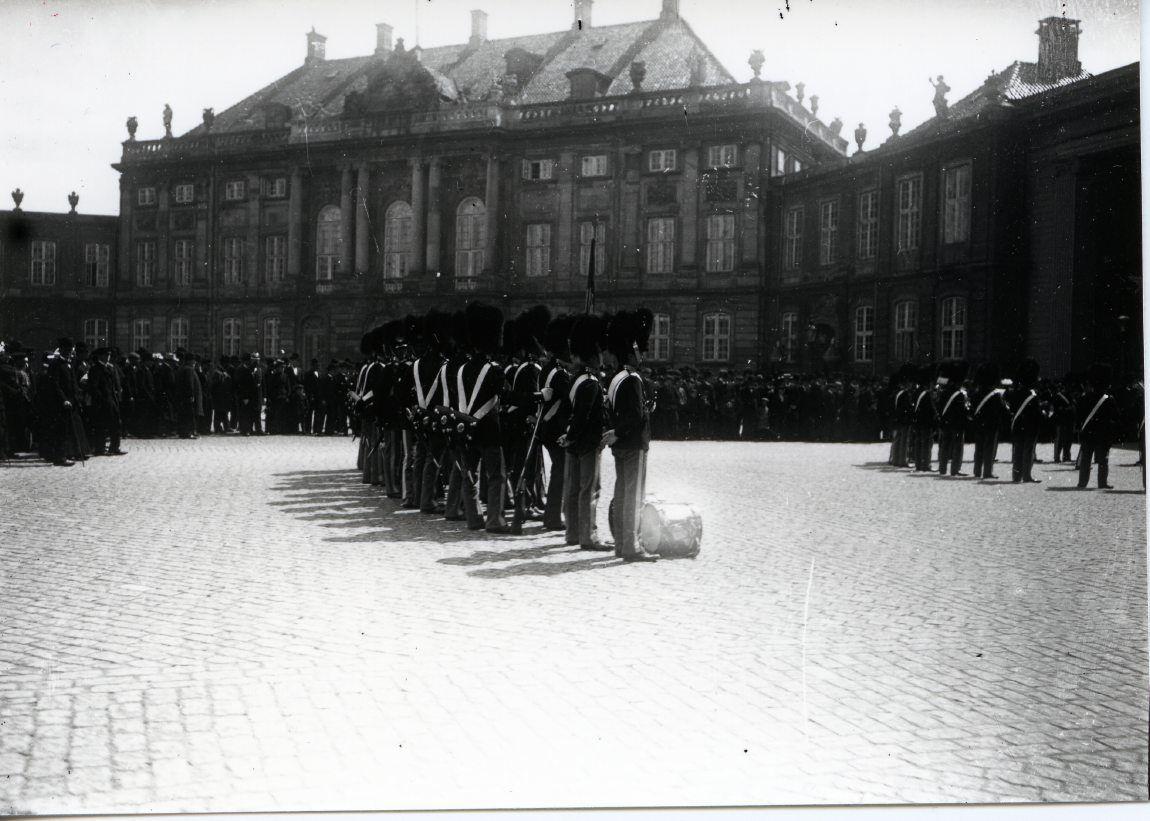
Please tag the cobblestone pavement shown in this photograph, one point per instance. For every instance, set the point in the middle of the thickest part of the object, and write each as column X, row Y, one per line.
column 240, row 624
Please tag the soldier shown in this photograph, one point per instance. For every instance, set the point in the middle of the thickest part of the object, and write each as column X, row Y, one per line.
column 188, row 397
column 1025, row 422
column 901, row 417
column 428, row 391
column 630, row 434
column 388, row 410
column 555, row 408
column 922, row 428
column 455, row 457
column 479, row 384
column 313, row 413
column 583, row 437
column 990, row 413
column 1098, row 411
column 952, row 418
column 371, row 401
column 1063, row 408
column 522, row 400
column 105, row 404
column 247, row 396
column 63, row 442
column 403, row 391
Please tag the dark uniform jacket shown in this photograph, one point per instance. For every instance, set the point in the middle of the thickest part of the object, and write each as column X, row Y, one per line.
column 1026, row 411
column 556, row 411
column 481, row 398
column 102, row 387
column 585, row 424
column 990, row 411
column 1106, row 420
column 924, row 413
column 632, row 421
column 188, row 393
column 954, row 410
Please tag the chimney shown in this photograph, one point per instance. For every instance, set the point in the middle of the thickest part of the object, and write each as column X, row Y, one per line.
column 1058, row 48
column 315, row 47
column 670, row 10
column 478, row 27
column 582, row 20
column 383, row 34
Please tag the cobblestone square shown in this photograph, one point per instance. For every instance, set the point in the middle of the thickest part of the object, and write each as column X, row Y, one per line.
column 241, row 624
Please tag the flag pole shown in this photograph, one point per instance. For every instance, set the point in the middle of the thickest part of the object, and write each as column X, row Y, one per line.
column 589, row 301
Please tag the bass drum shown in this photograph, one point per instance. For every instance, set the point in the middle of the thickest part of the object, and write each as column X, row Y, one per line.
column 672, row 530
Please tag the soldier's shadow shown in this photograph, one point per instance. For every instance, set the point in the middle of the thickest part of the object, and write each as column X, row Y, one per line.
column 547, row 568
column 488, row 556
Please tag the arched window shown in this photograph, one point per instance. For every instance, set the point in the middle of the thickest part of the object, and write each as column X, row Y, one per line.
column 397, row 227
column 716, row 337
column 328, row 243
column 905, row 329
column 470, row 237
column 953, row 342
column 864, row 333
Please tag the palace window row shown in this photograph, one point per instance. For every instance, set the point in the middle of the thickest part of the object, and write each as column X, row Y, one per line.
column 184, row 193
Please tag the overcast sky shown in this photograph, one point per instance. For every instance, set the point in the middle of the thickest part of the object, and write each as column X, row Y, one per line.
column 72, row 72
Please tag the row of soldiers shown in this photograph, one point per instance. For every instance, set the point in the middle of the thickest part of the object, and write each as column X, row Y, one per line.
column 456, row 411
column 952, row 410
column 146, row 395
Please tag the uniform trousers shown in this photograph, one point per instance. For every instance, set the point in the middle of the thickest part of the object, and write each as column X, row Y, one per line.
column 630, row 484
column 1063, row 439
column 1022, row 456
column 920, row 444
column 950, row 443
column 369, row 431
column 553, row 511
column 899, row 450
column 391, row 461
column 410, row 485
column 489, row 460
column 985, row 452
column 106, row 428
column 581, row 497
column 454, row 457
column 1094, row 446
column 429, row 456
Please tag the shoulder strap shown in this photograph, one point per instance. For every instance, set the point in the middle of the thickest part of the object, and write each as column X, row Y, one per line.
column 953, row 396
column 616, row 382
column 465, row 401
column 1021, row 408
column 1096, row 407
column 985, row 399
column 583, row 377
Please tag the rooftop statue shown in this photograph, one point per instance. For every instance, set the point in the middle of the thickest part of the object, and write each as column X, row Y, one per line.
column 941, row 107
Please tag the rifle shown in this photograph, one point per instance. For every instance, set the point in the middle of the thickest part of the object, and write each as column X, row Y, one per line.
column 521, row 482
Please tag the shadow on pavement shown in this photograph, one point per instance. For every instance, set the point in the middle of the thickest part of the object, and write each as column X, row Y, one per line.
column 547, row 568
column 487, row 556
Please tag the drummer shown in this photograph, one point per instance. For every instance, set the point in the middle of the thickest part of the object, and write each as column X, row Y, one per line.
column 630, row 436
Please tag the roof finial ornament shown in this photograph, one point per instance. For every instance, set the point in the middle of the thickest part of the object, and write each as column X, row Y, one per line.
column 814, row 105
column 895, row 121
column 209, row 119
column 755, row 61
column 836, row 126
column 73, row 201
column 638, row 74
column 941, row 107
column 167, row 121
column 17, row 197
column 132, row 125
column 860, row 136
column 800, row 91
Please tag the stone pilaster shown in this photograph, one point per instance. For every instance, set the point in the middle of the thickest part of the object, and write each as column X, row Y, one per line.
column 433, row 205
column 362, row 220
column 345, row 210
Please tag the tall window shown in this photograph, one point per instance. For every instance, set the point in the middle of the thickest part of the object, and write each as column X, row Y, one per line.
column 328, row 243
column 397, row 237
column 538, row 249
column 722, row 156
column 538, row 169
column 594, row 166
column 953, row 342
column 663, row 159
column 470, row 237
column 95, row 333
column 660, row 347
column 146, row 195
column 864, row 333
column 956, row 207
column 231, row 337
column 145, row 263
column 185, row 252
column 141, row 334
column 828, row 232
column 96, row 256
column 793, row 239
column 660, row 245
column 271, row 340
column 716, row 337
column 276, row 187
column 592, row 231
column 720, row 242
column 275, row 257
column 905, row 329
column 233, row 260
column 235, row 190
column 43, row 262
column 178, row 333
column 909, row 213
column 868, row 225
column 789, row 335
column 778, row 162
column 184, row 193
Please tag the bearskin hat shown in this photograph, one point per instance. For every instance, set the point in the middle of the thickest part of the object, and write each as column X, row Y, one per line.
column 436, row 330
column 484, row 326
column 414, row 329
column 458, row 325
column 1028, row 373
column 987, row 375
column 621, row 333
column 555, row 338
column 65, row 344
column 1100, row 375
column 586, row 336
column 512, row 343
column 533, row 328
column 367, row 343
column 959, row 371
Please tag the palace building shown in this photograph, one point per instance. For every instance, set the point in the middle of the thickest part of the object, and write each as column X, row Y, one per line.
column 355, row 190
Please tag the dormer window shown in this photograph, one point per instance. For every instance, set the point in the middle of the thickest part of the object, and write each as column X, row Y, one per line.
column 587, row 83
column 538, row 169
column 722, row 156
column 594, row 165
column 662, row 159
column 185, row 193
column 234, row 190
column 146, row 195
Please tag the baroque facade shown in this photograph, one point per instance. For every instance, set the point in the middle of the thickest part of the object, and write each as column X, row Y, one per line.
column 355, row 190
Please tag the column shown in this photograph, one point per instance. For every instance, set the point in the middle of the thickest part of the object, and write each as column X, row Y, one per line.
column 418, row 217
column 362, row 223
column 163, row 223
column 689, row 193
column 491, row 200
column 295, row 215
column 345, row 209
column 125, row 274
column 563, row 231
column 433, row 175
